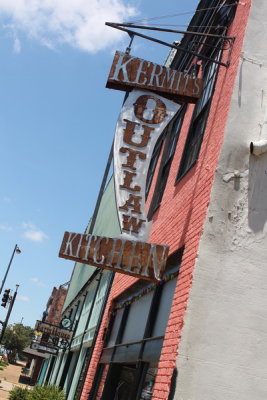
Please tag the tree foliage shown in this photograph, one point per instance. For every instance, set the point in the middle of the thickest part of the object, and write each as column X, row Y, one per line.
column 16, row 338
column 19, row 393
column 49, row 392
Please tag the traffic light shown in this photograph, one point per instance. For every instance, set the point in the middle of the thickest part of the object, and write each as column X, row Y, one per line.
column 5, row 297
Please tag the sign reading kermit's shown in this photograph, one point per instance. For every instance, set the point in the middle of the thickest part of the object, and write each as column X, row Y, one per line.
column 131, row 72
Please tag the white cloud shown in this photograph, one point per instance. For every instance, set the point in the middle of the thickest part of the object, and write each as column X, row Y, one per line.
column 28, row 225
column 78, row 23
column 23, row 298
column 36, row 236
column 37, row 282
column 16, row 46
column 6, row 228
column 33, row 233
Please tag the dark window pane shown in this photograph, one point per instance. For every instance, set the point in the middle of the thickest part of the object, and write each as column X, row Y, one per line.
column 136, row 321
column 164, row 308
column 193, row 143
column 152, row 350
column 115, row 328
column 106, row 356
column 169, row 150
column 127, row 353
column 153, row 163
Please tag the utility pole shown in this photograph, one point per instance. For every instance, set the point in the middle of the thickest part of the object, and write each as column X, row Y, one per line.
column 4, row 324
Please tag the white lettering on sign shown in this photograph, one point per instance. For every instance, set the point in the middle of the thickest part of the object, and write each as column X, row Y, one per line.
column 128, row 71
column 54, row 330
column 121, row 67
column 131, row 257
column 143, row 118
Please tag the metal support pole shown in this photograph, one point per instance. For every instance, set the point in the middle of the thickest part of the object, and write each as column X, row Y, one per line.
column 8, row 314
column 16, row 250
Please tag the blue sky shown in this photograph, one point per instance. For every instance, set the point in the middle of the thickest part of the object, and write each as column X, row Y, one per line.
column 57, row 123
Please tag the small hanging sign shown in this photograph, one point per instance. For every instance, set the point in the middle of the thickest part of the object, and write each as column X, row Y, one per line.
column 131, row 72
column 43, row 348
column 53, row 330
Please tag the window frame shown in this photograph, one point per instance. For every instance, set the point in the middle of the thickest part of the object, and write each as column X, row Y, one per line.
column 172, row 136
column 210, row 72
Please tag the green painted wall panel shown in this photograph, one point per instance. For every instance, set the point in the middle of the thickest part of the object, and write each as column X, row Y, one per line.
column 107, row 224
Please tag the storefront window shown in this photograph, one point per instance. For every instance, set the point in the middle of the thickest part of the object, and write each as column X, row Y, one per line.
column 134, row 344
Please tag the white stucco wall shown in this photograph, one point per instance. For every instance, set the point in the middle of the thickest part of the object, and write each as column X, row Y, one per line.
column 223, row 350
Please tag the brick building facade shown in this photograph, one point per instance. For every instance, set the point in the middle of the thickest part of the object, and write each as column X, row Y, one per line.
column 55, row 304
column 178, row 202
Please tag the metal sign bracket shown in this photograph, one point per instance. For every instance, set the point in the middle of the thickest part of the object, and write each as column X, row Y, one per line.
column 227, row 41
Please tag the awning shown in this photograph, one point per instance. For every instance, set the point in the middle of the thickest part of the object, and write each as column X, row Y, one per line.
column 34, row 353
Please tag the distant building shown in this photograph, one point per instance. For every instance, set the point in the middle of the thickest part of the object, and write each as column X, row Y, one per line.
column 38, row 361
column 55, row 304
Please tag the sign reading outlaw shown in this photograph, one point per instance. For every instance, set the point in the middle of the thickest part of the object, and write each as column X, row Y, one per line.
column 139, row 259
column 142, row 119
column 132, row 72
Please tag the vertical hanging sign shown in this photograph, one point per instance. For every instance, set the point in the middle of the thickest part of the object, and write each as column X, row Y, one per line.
column 142, row 120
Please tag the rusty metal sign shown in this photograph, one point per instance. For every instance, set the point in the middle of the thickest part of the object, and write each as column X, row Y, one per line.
column 131, row 72
column 138, row 259
column 53, row 330
column 142, row 119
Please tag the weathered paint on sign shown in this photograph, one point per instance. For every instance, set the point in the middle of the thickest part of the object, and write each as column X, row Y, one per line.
column 53, row 330
column 143, row 118
column 139, row 259
column 131, row 72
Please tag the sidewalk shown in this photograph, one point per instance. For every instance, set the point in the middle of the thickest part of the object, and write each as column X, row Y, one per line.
column 9, row 378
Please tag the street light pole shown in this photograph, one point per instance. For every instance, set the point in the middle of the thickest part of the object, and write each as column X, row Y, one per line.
column 16, row 250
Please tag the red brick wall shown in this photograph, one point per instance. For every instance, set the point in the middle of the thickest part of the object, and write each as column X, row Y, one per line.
column 180, row 218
